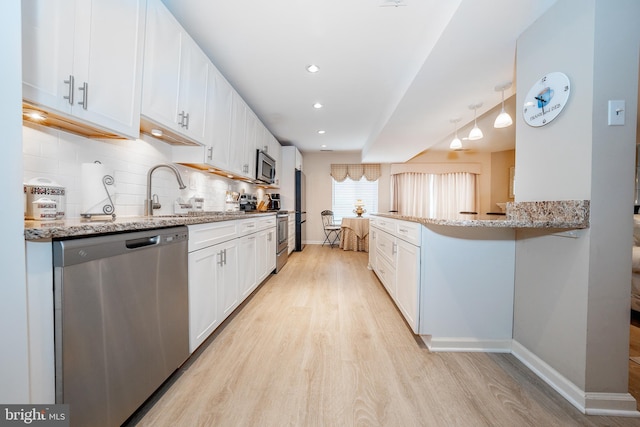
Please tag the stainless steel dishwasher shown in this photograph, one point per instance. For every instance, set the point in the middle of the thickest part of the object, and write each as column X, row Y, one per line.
column 121, row 320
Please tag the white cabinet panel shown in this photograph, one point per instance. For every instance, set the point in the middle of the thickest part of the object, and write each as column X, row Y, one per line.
column 227, row 275
column 74, row 62
column 176, row 74
column 220, row 103
column 408, row 282
column 204, row 315
column 247, row 275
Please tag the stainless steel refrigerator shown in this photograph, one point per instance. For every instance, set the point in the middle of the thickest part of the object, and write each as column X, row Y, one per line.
column 301, row 211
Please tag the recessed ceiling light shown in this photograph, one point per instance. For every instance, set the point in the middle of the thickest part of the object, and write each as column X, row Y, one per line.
column 317, row 105
column 321, row 132
column 313, row 68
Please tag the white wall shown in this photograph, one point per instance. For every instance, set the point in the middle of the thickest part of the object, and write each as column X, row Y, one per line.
column 572, row 294
column 317, row 169
column 14, row 375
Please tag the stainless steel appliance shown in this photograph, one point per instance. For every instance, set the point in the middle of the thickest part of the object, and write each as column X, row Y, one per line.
column 282, row 231
column 248, row 202
column 265, row 168
column 301, row 211
column 121, row 320
column 274, row 202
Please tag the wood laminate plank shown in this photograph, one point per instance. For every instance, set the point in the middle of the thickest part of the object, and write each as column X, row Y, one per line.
column 322, row 344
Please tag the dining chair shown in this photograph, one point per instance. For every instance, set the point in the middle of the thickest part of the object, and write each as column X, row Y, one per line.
column 331, row 229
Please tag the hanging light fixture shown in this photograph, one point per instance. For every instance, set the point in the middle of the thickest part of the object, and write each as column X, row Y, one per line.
column 456, row 144
column 504, row 119
column 475, row 133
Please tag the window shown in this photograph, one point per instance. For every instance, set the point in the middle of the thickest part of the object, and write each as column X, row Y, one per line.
column 346, row 193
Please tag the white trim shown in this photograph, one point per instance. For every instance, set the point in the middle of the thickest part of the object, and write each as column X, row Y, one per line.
column 610, row 404
column 466, row 344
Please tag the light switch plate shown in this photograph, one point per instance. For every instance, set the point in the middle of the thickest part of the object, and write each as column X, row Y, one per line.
column 616, row 113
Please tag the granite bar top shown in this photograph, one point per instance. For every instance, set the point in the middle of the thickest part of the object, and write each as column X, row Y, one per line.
column 562, row 214
column 68, row 228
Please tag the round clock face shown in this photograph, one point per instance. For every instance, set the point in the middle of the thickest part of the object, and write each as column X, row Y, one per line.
column 546, row 99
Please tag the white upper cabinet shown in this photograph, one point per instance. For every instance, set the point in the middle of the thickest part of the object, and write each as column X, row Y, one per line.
column 176, row 74
column 237, row 157
column 219, row 111
column 76, row 63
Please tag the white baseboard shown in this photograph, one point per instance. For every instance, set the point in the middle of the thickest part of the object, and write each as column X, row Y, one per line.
column 609, row 404
column 466, row 344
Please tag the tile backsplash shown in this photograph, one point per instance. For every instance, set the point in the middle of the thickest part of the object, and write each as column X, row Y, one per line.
column 58, row 156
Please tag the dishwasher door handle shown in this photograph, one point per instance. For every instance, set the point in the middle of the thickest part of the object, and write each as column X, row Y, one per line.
column 141, row 243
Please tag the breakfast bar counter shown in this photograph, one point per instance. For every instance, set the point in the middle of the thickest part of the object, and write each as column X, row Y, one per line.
column 453, row 279
column 563, row 214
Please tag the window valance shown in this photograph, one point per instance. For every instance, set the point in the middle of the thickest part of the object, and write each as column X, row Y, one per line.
column 340, row 172
column 436, row 168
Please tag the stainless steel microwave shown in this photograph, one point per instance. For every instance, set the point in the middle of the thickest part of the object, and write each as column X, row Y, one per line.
column 265, row 168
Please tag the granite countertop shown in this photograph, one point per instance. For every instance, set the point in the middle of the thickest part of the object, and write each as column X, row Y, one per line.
column 61, row 229
column 563, row 214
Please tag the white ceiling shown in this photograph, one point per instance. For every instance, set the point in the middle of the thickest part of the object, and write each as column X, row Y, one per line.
column 390, row 79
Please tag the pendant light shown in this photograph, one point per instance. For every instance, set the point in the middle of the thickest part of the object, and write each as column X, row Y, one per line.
column 504, row 119
column 475, row 133
column 456, row 144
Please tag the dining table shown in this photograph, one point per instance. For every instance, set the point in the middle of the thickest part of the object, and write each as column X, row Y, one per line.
column 354, row 234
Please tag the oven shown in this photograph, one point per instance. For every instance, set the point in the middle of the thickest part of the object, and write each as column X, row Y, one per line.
column 282, row 232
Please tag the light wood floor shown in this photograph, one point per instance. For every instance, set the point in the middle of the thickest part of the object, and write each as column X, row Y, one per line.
column 322, row 344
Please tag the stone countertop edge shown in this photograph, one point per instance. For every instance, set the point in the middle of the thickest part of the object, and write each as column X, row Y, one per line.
column 61, row 229
column 562, row 214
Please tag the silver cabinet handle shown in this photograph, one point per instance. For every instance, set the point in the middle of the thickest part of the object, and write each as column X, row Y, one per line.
column 394, row 248
column 221, row 262
column 71, row 84
column 210, row 153
column 182, row 117
column 270, row 237
column 225, row 257
column 251, row 225
column 186, row 121
column 403, row 230
column 85, row 94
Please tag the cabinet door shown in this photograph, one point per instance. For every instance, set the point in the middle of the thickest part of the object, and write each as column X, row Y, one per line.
column 220, row 118
column 272, row 244
column 247, row 277
column 204, row 315
column 228, row 278
column 408, row 282
column 373, row 234
column 237, row 162
column 192, row 99
column 47, row 52
column 160, row 83
column 261, row 255
column 108, row 63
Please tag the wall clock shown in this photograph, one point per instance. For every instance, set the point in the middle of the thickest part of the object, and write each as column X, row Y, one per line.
column 546, row 99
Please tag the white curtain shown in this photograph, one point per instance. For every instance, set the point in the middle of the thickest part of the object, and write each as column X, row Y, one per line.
column 433, row 195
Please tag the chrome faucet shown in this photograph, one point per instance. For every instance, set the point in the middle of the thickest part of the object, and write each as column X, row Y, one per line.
column 153, row 202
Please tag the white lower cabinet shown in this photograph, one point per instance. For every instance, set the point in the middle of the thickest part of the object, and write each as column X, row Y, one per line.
column 396, row 261
column 408, row 281
column 217, row 282
column 204, row 315
column 247, row 276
